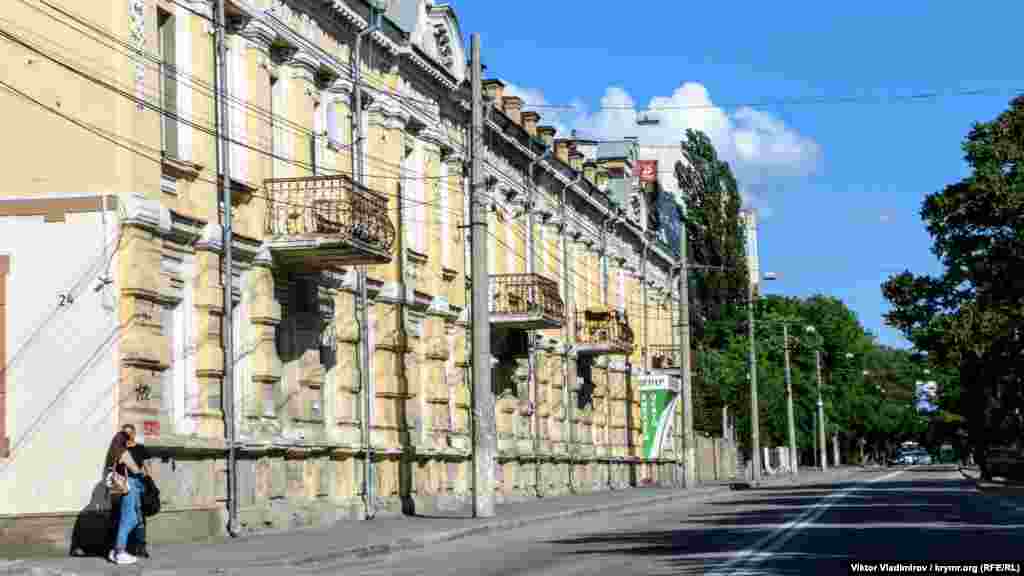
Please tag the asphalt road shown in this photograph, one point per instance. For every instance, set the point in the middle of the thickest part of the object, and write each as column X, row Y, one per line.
column 888, row 515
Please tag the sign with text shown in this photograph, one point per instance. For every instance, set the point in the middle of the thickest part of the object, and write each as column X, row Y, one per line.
column 658, row 397
column 647, row 170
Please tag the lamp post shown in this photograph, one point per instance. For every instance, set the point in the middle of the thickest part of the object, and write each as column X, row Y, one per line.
column 823, row 455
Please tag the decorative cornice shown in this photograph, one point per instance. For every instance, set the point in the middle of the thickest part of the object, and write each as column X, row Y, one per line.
column 305, row 62
column 429, row 68
column 211, row 238
column 259, row 33
column 151, row 214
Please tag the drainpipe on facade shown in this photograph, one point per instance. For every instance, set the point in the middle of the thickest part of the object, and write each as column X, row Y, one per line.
column 531, row 267
column 643, row 300
column 364, row 344
column 609, row 221
column 569, row 326
column 227, row 336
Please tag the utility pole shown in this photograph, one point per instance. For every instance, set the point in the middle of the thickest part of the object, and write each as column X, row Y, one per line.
column 227, row 327
column 823, row 457
column 755, row 442
column 789, row 402
column 686, row 389
column 484, row 434
column 365, row 382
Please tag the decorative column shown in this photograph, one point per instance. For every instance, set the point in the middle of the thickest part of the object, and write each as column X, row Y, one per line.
column 145, row 353
column 265, row 316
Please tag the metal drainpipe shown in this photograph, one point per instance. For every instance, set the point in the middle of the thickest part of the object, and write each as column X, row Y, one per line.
column 228, row 380
column 531, row 268
column 609, row 220
column 357, row 175
column 643, row 298
column 570, row 334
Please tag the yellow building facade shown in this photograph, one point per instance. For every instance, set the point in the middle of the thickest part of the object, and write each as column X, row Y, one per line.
column 112, row 248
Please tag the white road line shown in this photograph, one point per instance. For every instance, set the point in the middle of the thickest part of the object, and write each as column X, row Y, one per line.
column 764, row 547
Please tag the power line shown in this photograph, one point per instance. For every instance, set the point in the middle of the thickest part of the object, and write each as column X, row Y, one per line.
column 798, row 101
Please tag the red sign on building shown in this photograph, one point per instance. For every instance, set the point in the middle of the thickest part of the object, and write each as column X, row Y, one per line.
column 647, row 170
column 151, row 428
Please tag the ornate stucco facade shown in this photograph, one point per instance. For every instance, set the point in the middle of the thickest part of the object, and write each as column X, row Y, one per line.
column 112, row 259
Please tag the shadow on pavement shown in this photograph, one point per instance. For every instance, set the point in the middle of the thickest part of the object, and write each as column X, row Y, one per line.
column 935, row 520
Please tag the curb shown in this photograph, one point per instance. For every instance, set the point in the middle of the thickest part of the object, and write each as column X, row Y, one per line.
column 420, row 542
column 424, row 540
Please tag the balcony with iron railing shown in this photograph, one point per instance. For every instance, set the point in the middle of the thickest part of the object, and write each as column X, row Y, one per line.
column 323, row 222
column 663, row 357
column 603, row 331
column 525, row 302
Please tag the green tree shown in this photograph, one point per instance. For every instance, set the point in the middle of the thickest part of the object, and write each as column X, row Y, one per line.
column 715, row 239
column 971, row 315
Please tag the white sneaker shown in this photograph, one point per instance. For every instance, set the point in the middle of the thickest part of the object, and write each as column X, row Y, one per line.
column 112, row 557
column 125, row 558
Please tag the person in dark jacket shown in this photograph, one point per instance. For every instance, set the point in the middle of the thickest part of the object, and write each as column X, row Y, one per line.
column 137, row 538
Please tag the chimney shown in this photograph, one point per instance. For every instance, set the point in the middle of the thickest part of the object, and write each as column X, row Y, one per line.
column 562, row 149
column 590, row 172
column 601, row 178
column 513, row 108
column 547, row 134
column 495, row 91
column 530, row 120
column 576, row 159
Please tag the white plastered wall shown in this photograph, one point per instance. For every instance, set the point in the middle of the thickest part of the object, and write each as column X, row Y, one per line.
column 62, row 336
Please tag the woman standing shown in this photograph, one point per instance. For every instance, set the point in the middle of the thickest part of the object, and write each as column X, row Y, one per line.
column 121, row 463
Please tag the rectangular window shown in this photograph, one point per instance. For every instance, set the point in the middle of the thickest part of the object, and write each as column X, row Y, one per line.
column 167, row 377
column 276, row 107
column 333, row 128
column 269, row 401
column 314, row 140
column 5, row 443
column 168, row 83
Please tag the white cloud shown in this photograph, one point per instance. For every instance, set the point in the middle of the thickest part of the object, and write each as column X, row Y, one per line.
column 759, row 146
column 884, row 218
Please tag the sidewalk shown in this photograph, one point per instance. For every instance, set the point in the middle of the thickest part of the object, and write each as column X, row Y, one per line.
column 1008, row 495
column 383, row 536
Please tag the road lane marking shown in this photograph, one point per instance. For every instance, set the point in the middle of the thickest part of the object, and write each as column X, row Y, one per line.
column 768, row 544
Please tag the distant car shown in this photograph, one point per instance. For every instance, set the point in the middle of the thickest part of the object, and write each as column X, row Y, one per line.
column 911, row 457
column 902, row 459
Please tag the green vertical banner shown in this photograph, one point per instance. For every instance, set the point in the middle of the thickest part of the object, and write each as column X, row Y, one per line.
column 658, row 398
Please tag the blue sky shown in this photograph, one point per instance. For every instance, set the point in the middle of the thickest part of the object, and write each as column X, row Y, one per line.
column 839, row 186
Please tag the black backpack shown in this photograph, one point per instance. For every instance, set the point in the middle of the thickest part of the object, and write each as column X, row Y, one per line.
column 150, row 497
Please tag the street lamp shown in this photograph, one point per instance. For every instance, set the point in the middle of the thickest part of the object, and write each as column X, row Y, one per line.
column 823, row 455
column 755, row 442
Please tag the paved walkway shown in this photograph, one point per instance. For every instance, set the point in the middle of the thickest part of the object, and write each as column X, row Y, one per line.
column 382, row 535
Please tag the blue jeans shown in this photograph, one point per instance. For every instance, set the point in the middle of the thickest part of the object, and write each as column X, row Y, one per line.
column 131, row 512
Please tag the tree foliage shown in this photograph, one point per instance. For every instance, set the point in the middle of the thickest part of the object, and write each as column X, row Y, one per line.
column 855, row 406
column 715, row 237
column 970, row 317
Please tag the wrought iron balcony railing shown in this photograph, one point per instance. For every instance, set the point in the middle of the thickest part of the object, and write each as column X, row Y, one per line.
column 327, row 221
column 525, row 301
column 663, row 357
column 603, row 331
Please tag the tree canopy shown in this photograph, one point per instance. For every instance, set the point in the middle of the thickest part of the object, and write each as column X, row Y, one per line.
column 969, row 318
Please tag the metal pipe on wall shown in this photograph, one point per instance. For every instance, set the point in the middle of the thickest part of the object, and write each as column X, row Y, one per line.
column 366, row 384
column 227, row 328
